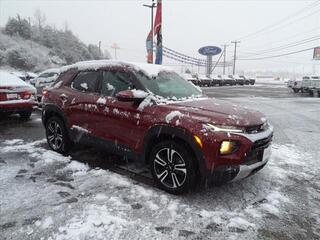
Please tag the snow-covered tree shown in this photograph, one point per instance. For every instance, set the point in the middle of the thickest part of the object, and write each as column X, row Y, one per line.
column 18, row 27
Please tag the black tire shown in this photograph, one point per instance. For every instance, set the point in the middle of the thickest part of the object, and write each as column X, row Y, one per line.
column 296, row 90
column 175, row 176
column 57, row 135
column 25, row 115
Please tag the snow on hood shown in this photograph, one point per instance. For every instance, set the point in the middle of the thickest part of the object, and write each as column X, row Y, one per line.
column 149, row 69
column 219, row 112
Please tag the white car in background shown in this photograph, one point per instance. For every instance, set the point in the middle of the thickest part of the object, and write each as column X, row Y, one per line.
column 45, row 79
column 25, row 76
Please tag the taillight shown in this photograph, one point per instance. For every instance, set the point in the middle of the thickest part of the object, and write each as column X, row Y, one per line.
column 44, row 92
column 3, row 93
column 3, row 96
column 25, row 95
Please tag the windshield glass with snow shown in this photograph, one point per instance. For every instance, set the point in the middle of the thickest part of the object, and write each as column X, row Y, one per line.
column 169, row 85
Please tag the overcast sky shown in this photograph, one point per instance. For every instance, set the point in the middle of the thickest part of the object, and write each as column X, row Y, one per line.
column 187, row 25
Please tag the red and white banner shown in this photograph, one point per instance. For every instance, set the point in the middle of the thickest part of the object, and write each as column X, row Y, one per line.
column 316, row 54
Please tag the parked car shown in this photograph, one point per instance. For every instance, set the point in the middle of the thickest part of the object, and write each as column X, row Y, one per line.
column 239, row 80
column 16, row 96
column 305, row 83
column 217, row 80
column 205, row 81
column 297, row 86
column 228, row 80
column 25, row 76
column 315, row 86
column 252, row 81
column 246, row 80
column 45, row 79
column 151, row 114
column 290, row 83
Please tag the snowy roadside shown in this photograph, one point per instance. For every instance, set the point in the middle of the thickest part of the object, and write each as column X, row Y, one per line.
column 47, row 196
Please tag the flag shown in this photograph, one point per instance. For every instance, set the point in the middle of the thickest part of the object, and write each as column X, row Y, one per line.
column 149, row 46
column 158, row 32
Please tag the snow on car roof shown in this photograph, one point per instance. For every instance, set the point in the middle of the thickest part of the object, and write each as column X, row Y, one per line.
column 149, row 69
column 54, row 70
column 9, row 80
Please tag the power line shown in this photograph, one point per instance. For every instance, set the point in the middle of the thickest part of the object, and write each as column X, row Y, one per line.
column 289, row 37
column 290, row 45
column 280, row 22
column 280, row 55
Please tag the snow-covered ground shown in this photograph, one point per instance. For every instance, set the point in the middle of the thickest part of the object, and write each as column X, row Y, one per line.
column 45, row 195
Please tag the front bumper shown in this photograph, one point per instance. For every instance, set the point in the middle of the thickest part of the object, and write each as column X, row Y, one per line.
column 254, row 161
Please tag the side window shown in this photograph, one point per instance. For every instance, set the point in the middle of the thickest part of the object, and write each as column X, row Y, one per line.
column 114, row 82
column 52, row 74
column 86, row 81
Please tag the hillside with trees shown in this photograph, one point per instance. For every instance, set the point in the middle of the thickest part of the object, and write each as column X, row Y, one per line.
column 32, row 45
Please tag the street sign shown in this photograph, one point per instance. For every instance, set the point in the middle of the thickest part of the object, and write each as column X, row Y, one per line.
column 316, row 54
column 209, row 50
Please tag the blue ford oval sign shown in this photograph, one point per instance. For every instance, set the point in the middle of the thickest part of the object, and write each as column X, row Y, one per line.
column 209, row 50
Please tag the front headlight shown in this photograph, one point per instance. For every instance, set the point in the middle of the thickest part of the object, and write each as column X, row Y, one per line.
column 228, row 147
column 223, row 128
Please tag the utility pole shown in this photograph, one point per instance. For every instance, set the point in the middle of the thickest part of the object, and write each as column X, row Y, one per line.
column 224, row 58
column 235, row 56
column 152, row 6
column 115, row 47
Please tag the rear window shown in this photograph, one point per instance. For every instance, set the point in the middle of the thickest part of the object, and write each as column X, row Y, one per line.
column 86, row 81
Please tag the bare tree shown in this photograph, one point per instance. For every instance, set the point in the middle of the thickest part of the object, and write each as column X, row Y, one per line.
column 40, row 18
column 66, row 26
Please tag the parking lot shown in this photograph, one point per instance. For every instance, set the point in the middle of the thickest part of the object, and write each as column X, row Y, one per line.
column 94, row 195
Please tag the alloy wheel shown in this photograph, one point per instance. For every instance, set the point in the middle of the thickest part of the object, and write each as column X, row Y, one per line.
column 170, row 168
column 54, row 135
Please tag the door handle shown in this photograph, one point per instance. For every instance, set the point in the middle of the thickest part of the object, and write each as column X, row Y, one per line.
column 101, row 104
column 64, row 97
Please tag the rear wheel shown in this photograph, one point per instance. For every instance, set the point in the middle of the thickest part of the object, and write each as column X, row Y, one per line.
column 57, row 136
column 172, row 167
column 25, row 115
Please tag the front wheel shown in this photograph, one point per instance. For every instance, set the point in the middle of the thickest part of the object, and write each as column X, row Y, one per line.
column 172, row 167
column 57, row 136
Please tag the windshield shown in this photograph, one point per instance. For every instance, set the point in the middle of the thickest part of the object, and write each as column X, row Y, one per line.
column 169, row 85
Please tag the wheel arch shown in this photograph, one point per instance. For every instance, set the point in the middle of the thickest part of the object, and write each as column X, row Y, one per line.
column 162, row 132
column 51, row 110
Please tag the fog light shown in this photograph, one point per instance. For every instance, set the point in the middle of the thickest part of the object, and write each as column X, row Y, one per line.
column 227, row 147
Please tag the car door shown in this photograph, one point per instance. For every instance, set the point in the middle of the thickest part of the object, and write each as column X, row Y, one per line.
column 119, row 121
column 81, row 102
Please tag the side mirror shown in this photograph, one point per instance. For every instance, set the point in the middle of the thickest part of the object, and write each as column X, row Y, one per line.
column 131, row 95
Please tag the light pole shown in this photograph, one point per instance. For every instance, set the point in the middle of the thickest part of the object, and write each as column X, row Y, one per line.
column 224, row 57
column 152, row 6
column 235, row 56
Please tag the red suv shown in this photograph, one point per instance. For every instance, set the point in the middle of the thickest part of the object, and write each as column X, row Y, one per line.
column 151, row 114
